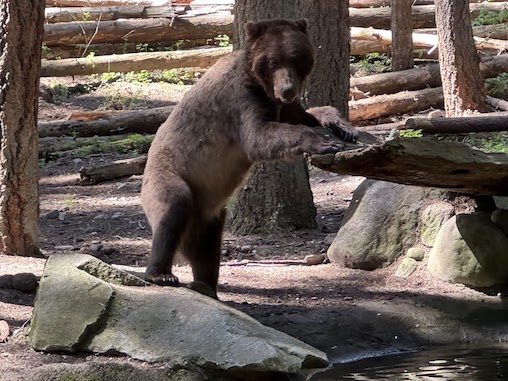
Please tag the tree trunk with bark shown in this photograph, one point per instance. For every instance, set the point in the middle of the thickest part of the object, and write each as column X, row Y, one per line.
column 277, row 195
column 402, row 35
column 460, row 73
column 20, row 50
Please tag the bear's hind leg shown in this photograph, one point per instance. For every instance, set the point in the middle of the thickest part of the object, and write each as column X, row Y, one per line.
column 202, row 248
column 168, row 229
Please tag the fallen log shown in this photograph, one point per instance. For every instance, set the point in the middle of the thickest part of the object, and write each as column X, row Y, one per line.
column 423, row 15
column 393, row 82
column 50, row 148
column 141, row 122
column 393, row 104
column 387, row 3
column 418, row 78
column 426, row 162
column 491, row 122
column 133, row 62
column 81, row 50
column 497, row 103
column 496, row 31
column 358, row 47
column 101, row 3
column 108, row 13
column 116, row 169
column 422, row 40
column 142, row 30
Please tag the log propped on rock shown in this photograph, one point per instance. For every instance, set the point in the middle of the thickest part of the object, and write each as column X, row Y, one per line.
column 424, row 161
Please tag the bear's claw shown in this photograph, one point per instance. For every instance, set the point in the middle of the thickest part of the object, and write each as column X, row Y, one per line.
column 162, row 279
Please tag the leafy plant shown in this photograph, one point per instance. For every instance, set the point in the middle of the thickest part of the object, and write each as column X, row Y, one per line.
column 222, row 40
column 498, row 86
column 490, row 17
column 370, row 63
column 45, row 50
column 410, row 133
column 497, row 142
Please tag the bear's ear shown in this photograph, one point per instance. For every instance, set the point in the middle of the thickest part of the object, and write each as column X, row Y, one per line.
column 301, row 25
column 253, row 30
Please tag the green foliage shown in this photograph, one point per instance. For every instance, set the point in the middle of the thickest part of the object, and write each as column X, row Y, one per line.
column 85, row 16
column 133, row 143
column 490, row 17
column 64, row 91
column 497, row 142
column 370, row 63
column 410, row 133
column 45, row 51
column 174, row 76
column 498, row 86
column 222, row 40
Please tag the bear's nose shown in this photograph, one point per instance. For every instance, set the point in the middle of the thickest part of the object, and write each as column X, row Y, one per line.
column 288, row 92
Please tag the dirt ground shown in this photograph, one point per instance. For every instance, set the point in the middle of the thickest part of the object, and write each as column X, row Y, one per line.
column 346, row 313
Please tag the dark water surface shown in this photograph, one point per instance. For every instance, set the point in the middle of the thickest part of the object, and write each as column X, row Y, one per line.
column 443, row 364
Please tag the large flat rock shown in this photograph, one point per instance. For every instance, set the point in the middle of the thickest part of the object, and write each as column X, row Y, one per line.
column 78, row 312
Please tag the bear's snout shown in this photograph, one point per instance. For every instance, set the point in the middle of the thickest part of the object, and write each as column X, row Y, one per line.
column 285, row 85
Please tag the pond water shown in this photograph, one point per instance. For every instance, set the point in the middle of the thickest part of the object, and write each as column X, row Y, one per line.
column 443, row 364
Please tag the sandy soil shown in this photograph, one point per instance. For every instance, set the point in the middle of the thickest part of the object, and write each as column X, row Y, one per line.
column 344, row 312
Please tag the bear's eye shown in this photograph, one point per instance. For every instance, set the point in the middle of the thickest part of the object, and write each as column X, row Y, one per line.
column 272, row 62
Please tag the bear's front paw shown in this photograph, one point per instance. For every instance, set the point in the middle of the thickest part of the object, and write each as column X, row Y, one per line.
column 162, row 279
column 330, row 118
column 323, row 148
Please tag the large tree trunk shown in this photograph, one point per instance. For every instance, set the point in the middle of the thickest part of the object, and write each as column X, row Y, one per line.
column 460, row 73
column 277, row 195
column 20, row 48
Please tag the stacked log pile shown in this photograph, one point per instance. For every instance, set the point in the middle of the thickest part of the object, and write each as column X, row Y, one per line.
column 76, row 27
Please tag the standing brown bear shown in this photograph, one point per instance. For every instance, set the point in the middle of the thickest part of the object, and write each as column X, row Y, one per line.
column 245, row 109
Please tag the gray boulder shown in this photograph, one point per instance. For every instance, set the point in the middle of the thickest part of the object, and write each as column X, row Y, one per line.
column 432, row 217
column 379, row 225
column 472, row 250
column 76, row 311
column 501, row 202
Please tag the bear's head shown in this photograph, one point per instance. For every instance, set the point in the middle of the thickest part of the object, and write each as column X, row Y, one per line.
column 279, row 56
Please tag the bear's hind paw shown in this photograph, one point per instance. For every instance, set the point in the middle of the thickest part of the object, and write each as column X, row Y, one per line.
column 162, row 279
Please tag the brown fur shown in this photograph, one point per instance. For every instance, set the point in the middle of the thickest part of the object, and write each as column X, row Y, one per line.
column 245, row 109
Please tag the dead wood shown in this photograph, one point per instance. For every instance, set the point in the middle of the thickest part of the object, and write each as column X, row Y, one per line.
column 422, row 40
column 426, row 162
column 101, row 3
column 108, row 13
column 133, row 62
column 393, row 104
column 490, row 122
column 497, row 103
column 119, row 168
column 141, row 122
column 387, row 3
column 138, row 30
column 418, row 78
column 496, row 31
column 50, row 148
column 423, row 15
